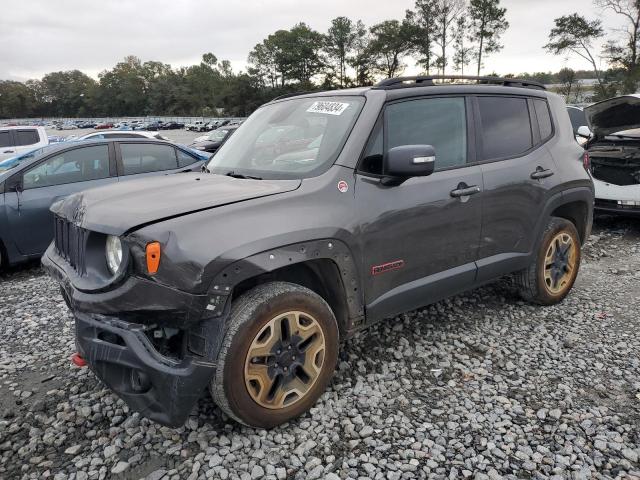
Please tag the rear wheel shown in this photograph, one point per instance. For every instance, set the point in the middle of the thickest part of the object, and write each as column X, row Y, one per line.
column 552, row 274
column 278, row 355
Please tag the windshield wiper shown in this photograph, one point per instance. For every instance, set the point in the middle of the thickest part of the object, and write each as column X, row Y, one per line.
column 239, row 175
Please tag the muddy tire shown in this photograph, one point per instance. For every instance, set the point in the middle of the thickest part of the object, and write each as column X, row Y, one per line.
column 278, row 355
column 551, row 275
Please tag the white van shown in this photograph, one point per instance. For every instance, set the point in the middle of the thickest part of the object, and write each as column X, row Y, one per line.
column 17, row 140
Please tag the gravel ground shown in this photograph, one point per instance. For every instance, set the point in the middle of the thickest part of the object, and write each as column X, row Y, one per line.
column 480, row 386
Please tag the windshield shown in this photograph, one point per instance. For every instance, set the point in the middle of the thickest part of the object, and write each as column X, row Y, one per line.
column 217, row 135
column 297, row 138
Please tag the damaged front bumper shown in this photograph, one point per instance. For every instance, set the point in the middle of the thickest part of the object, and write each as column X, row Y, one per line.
column 153, row 345
column 121, row 355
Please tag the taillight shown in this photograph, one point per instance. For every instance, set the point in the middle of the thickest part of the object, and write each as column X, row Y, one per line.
column 586, row 161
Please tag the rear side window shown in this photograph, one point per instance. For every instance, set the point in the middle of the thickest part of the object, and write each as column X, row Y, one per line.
column 440, row 122
column 5, row 139
column 184, row 159
column 145, row 158
column 27, row 137
column 544, row 119
column 505, row 127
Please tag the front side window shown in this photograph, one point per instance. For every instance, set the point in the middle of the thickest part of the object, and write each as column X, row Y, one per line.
column 505, row 127
column 27, row 137
column 439, row 122
column 77, row 165
column 145, row 158
column 296, row 138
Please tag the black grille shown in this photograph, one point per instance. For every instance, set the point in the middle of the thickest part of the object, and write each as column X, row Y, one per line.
column 70, row 242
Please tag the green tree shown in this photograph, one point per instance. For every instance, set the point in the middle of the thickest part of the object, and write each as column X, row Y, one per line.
column 463, row 51
column 447, row 13
column 16, row 100
column 66, row 93
column 575, row 34
column 488, row 24
column 362, row 60
column 339, row 44
column 423, row 23
column 391, row 41
column 625, row 55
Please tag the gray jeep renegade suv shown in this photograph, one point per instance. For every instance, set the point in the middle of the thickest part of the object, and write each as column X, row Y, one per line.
column 323, row 214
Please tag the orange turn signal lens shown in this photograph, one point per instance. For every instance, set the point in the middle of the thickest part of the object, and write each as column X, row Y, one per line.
column 153, row 257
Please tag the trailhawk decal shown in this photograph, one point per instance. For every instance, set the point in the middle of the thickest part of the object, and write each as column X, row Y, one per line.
column 387, row 267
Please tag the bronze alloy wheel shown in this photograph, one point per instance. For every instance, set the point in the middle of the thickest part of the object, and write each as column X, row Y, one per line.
column 551, row 274
column 284, row 360
column 559, row 263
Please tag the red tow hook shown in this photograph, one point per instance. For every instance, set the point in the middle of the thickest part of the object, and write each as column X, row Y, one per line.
column 78, row 361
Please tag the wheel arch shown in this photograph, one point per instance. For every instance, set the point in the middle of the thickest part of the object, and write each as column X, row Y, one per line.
column 576, row 206
column 326, row 267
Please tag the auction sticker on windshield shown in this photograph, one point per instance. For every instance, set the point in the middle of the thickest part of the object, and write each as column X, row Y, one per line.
column 330, row 108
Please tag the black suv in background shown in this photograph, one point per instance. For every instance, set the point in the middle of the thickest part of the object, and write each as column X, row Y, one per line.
column 321, row 215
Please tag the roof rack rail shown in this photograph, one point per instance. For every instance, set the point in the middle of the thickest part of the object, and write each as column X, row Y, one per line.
column 429, row 80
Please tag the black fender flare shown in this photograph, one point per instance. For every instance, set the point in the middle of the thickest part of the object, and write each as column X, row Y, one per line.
column 273, row 259
column 582, row 194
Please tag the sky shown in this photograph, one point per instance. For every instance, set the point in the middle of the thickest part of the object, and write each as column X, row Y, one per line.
column 41, row 36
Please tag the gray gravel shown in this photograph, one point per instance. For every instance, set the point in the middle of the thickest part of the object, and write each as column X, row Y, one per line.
column 481, row 386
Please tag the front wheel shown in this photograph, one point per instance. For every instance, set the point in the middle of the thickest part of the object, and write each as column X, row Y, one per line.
column 278, row 355
column 551, row 275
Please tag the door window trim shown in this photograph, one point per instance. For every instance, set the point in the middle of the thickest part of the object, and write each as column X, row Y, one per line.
column 382, row 121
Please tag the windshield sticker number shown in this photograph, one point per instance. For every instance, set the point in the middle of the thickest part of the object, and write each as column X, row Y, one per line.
column 329, row 108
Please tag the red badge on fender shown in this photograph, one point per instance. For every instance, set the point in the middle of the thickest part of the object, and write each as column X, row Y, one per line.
column 343, row 186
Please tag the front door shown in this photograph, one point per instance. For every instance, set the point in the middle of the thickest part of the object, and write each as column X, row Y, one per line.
column 419, row 239
column 71, row 171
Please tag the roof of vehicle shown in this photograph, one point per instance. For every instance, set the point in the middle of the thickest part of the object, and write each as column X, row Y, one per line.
column 434, row 85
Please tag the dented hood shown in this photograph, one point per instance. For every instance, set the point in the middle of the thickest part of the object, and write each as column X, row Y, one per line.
column 614, row 115
column 125, row 206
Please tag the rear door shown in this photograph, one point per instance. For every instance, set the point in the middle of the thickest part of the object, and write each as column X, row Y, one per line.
column 64, row 173
column 519, row 176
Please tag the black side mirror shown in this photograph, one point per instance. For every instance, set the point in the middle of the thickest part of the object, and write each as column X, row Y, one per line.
column 406, row 161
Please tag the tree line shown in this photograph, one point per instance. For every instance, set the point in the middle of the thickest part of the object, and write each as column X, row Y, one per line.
column 440, row 36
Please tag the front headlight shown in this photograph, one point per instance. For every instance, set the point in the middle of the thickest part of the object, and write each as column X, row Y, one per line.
column 113, row 250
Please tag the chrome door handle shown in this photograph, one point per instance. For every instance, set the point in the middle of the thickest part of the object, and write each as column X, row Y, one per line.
column 541, row 173
column 464, row 191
